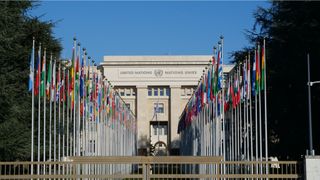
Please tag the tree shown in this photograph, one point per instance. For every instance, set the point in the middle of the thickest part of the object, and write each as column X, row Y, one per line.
column 16, row 32
column 292, row 30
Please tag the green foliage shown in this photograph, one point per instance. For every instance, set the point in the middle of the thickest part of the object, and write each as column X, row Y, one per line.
column 292, row 30
column 16, row 32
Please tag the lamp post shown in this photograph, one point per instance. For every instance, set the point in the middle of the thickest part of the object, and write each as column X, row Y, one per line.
column 311, row 151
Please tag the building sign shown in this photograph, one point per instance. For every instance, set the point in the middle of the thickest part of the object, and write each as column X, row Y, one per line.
column 159, row 73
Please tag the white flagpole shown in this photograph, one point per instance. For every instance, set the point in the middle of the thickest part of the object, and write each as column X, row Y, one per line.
column 74, row 97
column 78, row 97
column 250, row 111
column 32, row 105
column 54, row 115
column 256, row 118
column 63, row 118
column 260, row 120
column 265, row 106
column 59, row 114
column 39, row 103
column 50, row 114
column 44, row 111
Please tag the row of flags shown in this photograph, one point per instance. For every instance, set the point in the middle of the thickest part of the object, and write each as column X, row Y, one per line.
column 226, row 91
column 67, row 80
column 227, row 114
column 85, row 115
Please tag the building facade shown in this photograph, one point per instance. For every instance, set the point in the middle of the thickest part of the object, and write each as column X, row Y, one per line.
column 156, row 88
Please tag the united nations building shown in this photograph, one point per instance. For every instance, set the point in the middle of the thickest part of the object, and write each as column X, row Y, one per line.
column 156, row 88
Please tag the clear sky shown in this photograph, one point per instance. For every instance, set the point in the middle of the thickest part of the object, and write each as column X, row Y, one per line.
column 149, row 28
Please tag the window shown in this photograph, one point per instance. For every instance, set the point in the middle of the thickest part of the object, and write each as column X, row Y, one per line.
column 167, row 91
column 128, row 92
column 155, row 129
column 161, row 91
column 160, row 130
column 188, row 91
column 133, row 92
column 165, row 130
column 149, row 91
column 158, row 107
column 155, row 93
column 121, row 92
column 183, row 92
column 128, row 105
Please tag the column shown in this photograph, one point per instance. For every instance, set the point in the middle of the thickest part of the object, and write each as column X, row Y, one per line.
column 142, row 121
column 175, row 112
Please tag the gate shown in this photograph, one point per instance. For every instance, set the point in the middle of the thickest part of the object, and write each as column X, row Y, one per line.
column 149, row 167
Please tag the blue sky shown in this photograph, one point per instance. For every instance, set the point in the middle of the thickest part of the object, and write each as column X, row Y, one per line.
column 149, row 28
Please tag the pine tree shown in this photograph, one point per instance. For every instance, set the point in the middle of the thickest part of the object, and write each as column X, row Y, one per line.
column 17, row 30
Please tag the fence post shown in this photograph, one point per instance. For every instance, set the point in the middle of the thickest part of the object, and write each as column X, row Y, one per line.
column 74, row 170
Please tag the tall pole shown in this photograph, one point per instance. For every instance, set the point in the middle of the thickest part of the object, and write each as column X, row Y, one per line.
column 265, row 105
column 73, row 96
column 32, row 105
column 39, row 103
column 310, row 115
column 260, row 120
column 78, row 101
column 50, row 111
column 53, row 96
column 44, row 109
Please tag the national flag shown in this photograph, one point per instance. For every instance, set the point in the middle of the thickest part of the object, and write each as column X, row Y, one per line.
column 220, row 71
column 253, row 84
column 209, row 85
column 72, row 76
column 82, row 79
column 53, row 84
column 263, row 65
column 248, row 78
column 58, row 84
column 43, row 75
column 49, row 78
column 36, row 90
column 31, row 75
column 258, row 70
column 213, row 84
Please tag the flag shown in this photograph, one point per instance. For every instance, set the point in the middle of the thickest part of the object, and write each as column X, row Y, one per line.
column 72, row 76
column 31, row 75
column 209, row 85
column 49, row 78
column 263, row 64
column 220, row 73
column 248, row 78
column 53, row 84
column 36, row 89
column 43, row 76
column 82, row 79
column 58, row 83
column 253, row 84
column 212, row 95
column 258, row 70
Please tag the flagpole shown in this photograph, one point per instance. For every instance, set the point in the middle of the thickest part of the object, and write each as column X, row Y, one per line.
column 59, row 116
column 78, row 102
column 50, row 111
column 32, row 104
column 256, row 118
column 54, row 115
column 39, row 103
column 63, row 115
column 260, row 120
column 44, row 111
column 73, row 96
column 265, row 105
column 250, row 105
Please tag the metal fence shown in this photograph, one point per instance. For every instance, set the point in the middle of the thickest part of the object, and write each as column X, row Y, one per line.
column 149, row 167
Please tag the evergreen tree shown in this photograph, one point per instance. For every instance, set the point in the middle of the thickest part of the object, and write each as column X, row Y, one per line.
column 16, row 32
column 292, row 30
